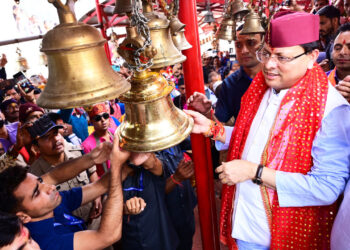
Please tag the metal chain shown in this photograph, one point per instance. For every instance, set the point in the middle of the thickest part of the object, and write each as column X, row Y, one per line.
column 140, row 21
column 176, row 7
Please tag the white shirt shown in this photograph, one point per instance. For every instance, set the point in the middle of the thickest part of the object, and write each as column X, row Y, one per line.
column 248, row 203
column 319, row 186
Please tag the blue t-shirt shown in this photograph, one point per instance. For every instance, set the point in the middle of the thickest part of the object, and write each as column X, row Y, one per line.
column 57, row 233
column 181, row 200
column 152, row 228
column 78, row 122
column 231, row 92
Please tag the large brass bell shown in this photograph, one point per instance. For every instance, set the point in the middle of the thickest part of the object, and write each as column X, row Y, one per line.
column 239, row 10
column 227, row 30
column 152, row 122
column 22, row 63
column 252, row 24
column 180, row 40
column 79, row 72
column 167, row 53
column 122, row 7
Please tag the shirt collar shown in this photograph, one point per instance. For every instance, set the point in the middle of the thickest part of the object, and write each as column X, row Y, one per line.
column 276, row 97
column 242, row 74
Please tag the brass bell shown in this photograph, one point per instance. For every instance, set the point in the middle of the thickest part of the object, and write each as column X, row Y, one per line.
column 22, row 63
column 227, row 30
column 122, row 7
column 180, row 40
column 152, row 122
column 252, row 24
column 239, row 10
column 133, row 42
column 43, row 59
column 176, row 25
column 79, row 71
column 167, row 53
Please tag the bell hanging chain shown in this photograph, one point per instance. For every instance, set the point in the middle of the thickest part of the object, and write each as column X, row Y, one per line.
column 176, row 7
column 140, row 21
column 163, row 5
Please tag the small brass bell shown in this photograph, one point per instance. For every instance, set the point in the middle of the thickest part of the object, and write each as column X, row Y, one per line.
column 22, row 63
column 43, row 59
column 176, row 25
column 152, row 122
column 252, row 24
column 79, row 71
column 239, row 10
column 167, row 53
column 227, row 30
column 180, row 40
column 133, row 42
column 122, row 7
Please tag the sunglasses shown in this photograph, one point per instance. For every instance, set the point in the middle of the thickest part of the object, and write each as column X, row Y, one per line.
column 98, row 118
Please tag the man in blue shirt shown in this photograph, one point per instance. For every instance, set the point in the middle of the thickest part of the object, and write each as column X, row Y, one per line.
column 235, row 85
column 46, row 212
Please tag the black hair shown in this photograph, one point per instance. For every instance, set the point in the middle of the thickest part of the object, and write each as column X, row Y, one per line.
column 37, row 91
column 343, row 28
column 180, row 81
column 308, row 47
column 10, row 226
column 10, row 179
column 329, row 11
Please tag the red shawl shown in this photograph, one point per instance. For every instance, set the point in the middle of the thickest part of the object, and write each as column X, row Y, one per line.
column 289, row 150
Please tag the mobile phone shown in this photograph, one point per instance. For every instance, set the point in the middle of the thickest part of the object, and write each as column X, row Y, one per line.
column 23, row 81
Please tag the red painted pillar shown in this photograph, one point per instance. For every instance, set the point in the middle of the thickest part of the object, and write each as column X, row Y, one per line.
column 193, row 74
column 103, row 29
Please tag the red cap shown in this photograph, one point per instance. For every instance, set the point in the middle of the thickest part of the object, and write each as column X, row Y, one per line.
column 97, row 109
column 293, row 28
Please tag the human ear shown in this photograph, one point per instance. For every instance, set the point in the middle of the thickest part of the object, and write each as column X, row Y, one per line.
column 25, row 218
column 313, row 55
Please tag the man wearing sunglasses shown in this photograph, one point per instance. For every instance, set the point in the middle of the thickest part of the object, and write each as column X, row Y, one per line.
column 289, row 152
column 100, row 119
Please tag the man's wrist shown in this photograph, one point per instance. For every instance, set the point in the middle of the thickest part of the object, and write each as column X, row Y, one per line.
column 253, row 169
column 90, row 159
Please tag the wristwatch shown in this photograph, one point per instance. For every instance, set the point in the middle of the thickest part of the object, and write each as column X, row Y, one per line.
column 257, row 179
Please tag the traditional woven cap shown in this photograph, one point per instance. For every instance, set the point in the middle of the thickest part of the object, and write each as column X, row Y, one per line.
column 293, row 28
column 97, row 109
column 42, row 126
column 26, row 109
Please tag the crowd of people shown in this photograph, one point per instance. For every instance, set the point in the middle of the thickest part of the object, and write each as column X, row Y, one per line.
column 278, row 108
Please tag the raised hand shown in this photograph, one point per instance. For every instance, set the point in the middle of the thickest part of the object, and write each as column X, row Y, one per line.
column 184, row 171
column 101, row 153
column 200, row 103
column 118, row 155
column 201, row 123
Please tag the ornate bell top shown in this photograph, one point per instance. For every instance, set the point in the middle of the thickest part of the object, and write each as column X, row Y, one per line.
column 156, row 20
column 71, row 36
